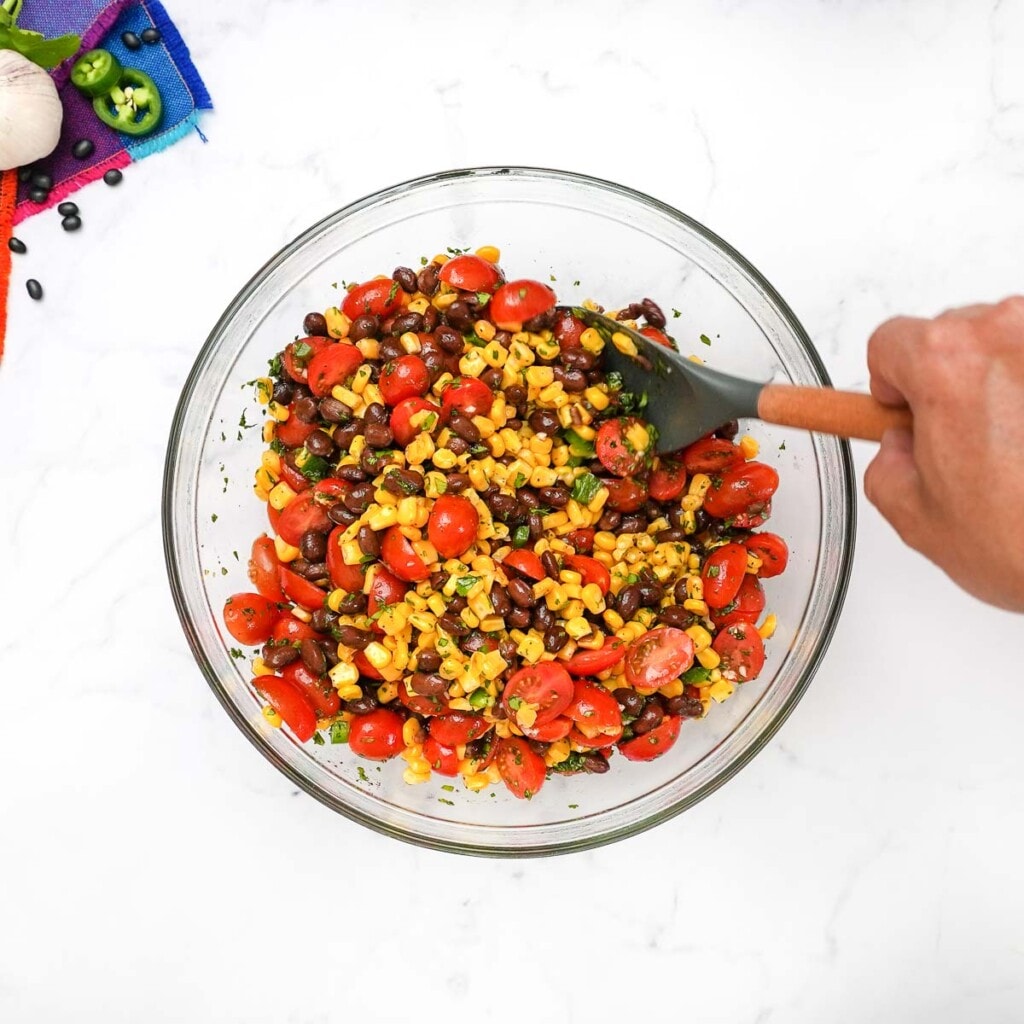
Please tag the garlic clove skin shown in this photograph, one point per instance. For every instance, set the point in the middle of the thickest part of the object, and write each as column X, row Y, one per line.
column 31, row 114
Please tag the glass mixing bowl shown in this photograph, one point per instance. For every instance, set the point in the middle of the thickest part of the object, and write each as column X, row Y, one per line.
column 599, row 240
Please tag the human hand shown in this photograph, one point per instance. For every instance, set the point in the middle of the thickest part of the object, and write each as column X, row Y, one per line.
column 954, row 488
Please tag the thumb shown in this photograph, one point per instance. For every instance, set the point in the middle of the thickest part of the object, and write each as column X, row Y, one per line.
column 892, row 484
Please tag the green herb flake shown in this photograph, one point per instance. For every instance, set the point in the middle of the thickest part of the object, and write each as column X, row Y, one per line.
column 448, row 787
column 236, row 653
column 483, row 298
column 465, row 584
column 314, row 468
column 578, row 446
column 585, row 489
column 676, row 314
column 520, row 480
column 361, row 772
column 423, row 261
column 575, row 284
column 318, row 739
column 696, row 676
column 515, row 703
column 445, row 800
column 339, row 732
column 393, row 291
column 213, row 517
column 614, row 380
column 302, row 350
column 705, row 340
column 782, row 447
column 275, row 365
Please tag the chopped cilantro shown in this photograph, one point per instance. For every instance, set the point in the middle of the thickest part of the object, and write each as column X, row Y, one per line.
column 339, row 732
column 572, row 807
column 302, row 350
column 479, row 449
column 696, row 676
column 277, row 446
column 633, row 403
column 275, row 365
column 573, row 763
column 318, row 739
column 223, row 571
column 315, row 469
column 713, row 571
column 474, row 340
column 676, row 314
column 236, row 653
column 705, row 339
column 465, row 584
column 393, row 291
column 515, row 703
column 423, row 261
column 482, row 298
column 445, row 800
column 448, row 787
column 575, row 284
column 782, row 447
column 632, row 578
column 521, row 479
column 551, row 277
column 213, row 517
column 585, row 488
column 614, row 380
column 361, row 772
column 456, row 252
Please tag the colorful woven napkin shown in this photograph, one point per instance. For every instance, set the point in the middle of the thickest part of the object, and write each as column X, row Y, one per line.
column 101, row 23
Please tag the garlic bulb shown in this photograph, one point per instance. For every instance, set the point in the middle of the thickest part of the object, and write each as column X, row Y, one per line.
column 30, row 112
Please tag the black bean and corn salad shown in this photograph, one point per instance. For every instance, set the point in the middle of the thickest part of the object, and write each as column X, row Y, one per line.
column 478, row 563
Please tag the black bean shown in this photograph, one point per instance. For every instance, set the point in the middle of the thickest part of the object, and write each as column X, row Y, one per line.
column 406, row 278
column 648, row 719
column 500, row 600
column 113, row 177
column 476, row 641
column 457, row 603
column 521, row 593
column 505, row 507
column 431, row 318
column 595, row 377
column 43, row 181
column 453, row 625
column 38, row 195
column 671, row 536
column 543, row 618
column 550, row 563
column 276, row 656
column 365, row 326
column 83, row 149
column 374, row 460
column 350, row 636
column 609, row 521
column 375, row 413
column 313, row 546
column 313, row 656
column 633, row 524
column 652, row 509
column 428, row 661
column 334, row 411
column 515, row 394
column 571, row 380
column 653, row 314
column 284, row 392
column 540, row 322
column 435, row 362
column 507, row 650
column 555, row 638
column 631, row 312
column 364, row 705
column 577, row 358
column 492, row 377
column 25, row 175
column 651, row 593
column 728, row 430
column 315, row 572
column 403, row 482
column 631, row 701
column 35, row 289
column 438, row 578
column 701, row 520
column 544, row 421
column 151, row 36
column 369, row 542
column 675, row 517
column 131, row 40
column 386, row 325
column 528, row 497
column 464, row 427
column 378, row 435
column 352, row 474
column 536, row 524
column 685, row 707
column 407, row 322
column 359, row 498
column 428, row 684
column 459, row 316
column 556, row 497
column 675, row 615
column 315, row 325
column 320, row 444
column 330, row 650
column 456, row 483
column 306, row 409
column 68, row 209
column 595, row 764
column 426, row 279
column 519, row 618
column 458, row 446
column 627, row 604
column 16, row 245
column 323, row 619
column 341, row 516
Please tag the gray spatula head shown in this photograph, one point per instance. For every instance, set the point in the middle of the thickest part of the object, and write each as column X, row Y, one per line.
column 685, row 400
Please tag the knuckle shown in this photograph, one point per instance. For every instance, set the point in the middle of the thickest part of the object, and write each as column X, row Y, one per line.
column 1012, row 307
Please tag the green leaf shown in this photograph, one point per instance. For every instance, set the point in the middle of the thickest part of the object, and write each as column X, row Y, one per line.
column 585, row 488
column 315, row 469
column 318, row 739
column 633, row 403
column 696, row 676
column 705, row 339
column 482, row 298
column 465, row 584
column 339, row 732
column 47, row 53
column 521, row 479
column 578, row 446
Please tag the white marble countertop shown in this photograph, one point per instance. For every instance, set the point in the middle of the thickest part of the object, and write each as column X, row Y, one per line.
column 867, row 866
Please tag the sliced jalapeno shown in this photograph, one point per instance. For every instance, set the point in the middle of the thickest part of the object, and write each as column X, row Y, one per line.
column 96, row 73
column 133, row 106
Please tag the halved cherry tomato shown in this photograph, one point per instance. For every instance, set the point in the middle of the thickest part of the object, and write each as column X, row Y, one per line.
column 442, row 759
column 590, row 569
column 526, row 563
column 589, row 663
column 595, row 711
column 518, row 301
column 385, row 589
column 770, row 548
column 550, row 732
column 654, row 743
column 331, row 366
column 400, row 556
column 625, row 495
column 367, row 668
column 742, row 652
column 471, row 274
column 293, row 432
column 744, row 488
column 401, row 417
column 615, row 449
column 344, row 576
column 302, row 513
column 723, row 573
column 457, row 727
column 273, row 516
column 377, row 735
column 299, row 354
column 290, row 703
column 250, row 618
column 328, row 491
column 711, row 455
column 746, row 606
column 422, row 705
column 318, row 691
column 289, row 629
column 263, row 567
column 404, row 377
column 655, row 335
column 567, row 329
column 293, row 477
column 658, row 657
column 453, row 525
column 380, row 297
column 582, row 539
column 753, row 517
column 546, row 687
column 470, row 396
column 522, row 770
column 300, row 590
column 667, row 482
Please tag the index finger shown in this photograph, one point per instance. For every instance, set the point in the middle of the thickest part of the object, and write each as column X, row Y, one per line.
column 892, row 359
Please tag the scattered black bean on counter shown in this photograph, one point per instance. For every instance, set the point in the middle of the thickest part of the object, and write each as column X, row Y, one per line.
column 35, row 289
column 18, row 246
column 72, row 223
column 131, row 40
column 83, row 149
column 68, row 209
column 151, row 35
column 113, row 177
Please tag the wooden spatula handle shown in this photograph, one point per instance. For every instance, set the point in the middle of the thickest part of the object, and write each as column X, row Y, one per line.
column 842, row 413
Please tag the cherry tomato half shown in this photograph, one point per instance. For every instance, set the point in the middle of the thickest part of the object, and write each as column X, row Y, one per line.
column 289, row 629
column 742, row 652
column 746, row 606
column 453, row 525
column 400, row 556
column 550, row 732
column 723, row 573
column 546, row 687
column 522, row 770
column 470, row 274
column 377, row 735
column 331, row 366
column 654, row 743
column 293, row 477
column 442, row 759
column 589, row 663
column 595, row 711
column 657, row 336
column 457, row 727
column 518, row 301
column 318, row 691
column 421, row 704
column 668, row 481
column 289, row 702
column 302, row 513
column 470, row 396
column 380, row 297
column 625, row 495
column 344, row 576
column 299, row 354
column 526, row 563
column 567, row 329
column 293, row 432
column 620, row 445
column 582, row 539
column 769, row 547
column 590, row 569
column 300, row 590
column 263, row 567
column 385, row 589
column 744, row 488
column 250, row 618
column 753, row 517
column 712, row 455
column 404, row 377
column 401, row 419
column 367, row 668
column 657, row 658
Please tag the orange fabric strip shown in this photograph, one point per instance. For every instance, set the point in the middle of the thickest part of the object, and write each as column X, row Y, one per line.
column 8, row 194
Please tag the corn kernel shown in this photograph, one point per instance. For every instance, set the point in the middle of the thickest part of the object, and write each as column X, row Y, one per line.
column 264, row 389
column 577, row 627
column 597, row 398
column 530, row 648
column 672, row 689
column 260, row 667
column 344, row 673
column 749, row 446
column 281, row 496
column 593, row 599
column 380, row 517
column 709, row 658
column 377, row 654
column 753, row 563
column 624, row 343
column 491, row 253
column 285, row 551
column 699, row 484
column 540, row 376
column 278, row 411
column 387, row 692
column 767, row 629
column 269, row 430
column 698, row 607
column 350, row 691
column 338, row 323
column 591, row 341
column 720, row 691
column 700, row 636
column 410, row 342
